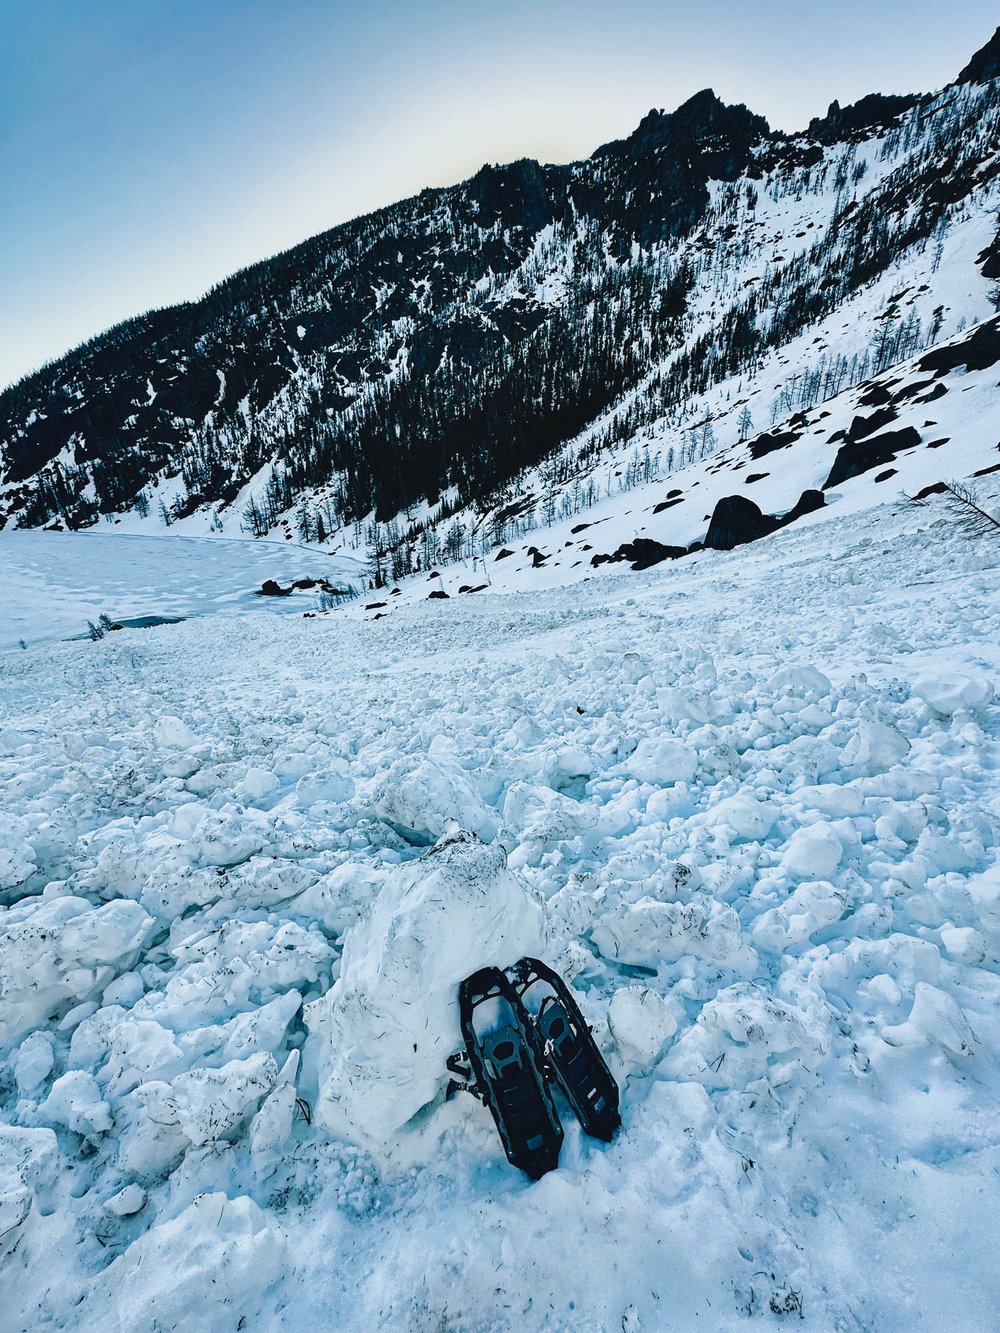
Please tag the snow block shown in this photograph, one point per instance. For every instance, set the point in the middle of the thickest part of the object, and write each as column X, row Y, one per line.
column 422, row 800
column 951, row 692
column 205, row 1269
column 60, row 949
column 389, row 1023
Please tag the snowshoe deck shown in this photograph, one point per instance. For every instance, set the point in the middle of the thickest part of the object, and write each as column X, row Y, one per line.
column 571, row 1052
column 507, row 1064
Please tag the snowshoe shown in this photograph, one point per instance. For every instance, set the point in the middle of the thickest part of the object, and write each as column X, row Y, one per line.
column 506, row 1061
column 571, row 1052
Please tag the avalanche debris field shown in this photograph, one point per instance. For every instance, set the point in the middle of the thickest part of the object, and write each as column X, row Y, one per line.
column 749, row 805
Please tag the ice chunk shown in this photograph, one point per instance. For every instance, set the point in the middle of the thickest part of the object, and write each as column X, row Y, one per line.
column 386, row 1028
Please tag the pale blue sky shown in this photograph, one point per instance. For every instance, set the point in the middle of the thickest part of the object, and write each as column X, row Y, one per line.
column 150, row 147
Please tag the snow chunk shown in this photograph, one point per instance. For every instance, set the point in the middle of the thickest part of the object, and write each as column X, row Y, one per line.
column 641, row 1023
column 935, row 1020
column 127, row 1202
column 743, row 1035
column 76, row 1102
column 812, row 852
column 170, row 733
column 59, row 949
column 874, row 748
column 210, row 1104
column 387, row 1026
column 745, row 816
column 205, row 1269
column 951, row 692
column 662, row 762
column 648, row 932
column 17, row 863
column 801, row 680
column 423, row 799
column 811, row 907
column 33, row 1063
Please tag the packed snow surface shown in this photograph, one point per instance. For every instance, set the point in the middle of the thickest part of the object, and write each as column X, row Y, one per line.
column 748, row 804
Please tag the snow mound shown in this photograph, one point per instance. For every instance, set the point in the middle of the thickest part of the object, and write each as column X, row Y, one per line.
column 391, row 1020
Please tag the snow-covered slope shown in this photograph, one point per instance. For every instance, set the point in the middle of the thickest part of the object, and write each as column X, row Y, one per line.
column 926, row 421
column 748, row 800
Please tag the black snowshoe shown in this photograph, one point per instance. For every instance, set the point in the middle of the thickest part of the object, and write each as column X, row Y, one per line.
column 571, row 1053
column 508, row 1071
column 518, row 1048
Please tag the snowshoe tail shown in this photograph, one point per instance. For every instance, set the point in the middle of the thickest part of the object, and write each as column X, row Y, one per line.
column 571, row 1052
column 508, row 1067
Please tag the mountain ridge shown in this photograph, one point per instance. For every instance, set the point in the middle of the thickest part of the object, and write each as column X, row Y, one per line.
column 428, row 353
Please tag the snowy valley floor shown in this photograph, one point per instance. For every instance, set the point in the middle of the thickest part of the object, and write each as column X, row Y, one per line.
column 759, row 794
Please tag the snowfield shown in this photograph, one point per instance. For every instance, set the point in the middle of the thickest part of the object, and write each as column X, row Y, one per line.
column 747, row 803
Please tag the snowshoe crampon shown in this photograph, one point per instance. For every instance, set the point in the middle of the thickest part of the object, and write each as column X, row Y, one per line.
column 571, row 1052
column 506, row 1060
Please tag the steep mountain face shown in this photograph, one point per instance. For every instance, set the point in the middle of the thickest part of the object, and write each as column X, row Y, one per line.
column 472, row 356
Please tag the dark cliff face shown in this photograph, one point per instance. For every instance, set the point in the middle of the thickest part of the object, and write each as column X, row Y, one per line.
column 654, row 184
column 861, row 119
column 985, row 64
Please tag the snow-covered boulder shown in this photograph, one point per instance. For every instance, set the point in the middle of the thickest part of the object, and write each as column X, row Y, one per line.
column 422, row 799
column 387, row 1026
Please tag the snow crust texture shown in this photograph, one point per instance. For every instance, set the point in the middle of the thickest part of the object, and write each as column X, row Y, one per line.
column 748, row 804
